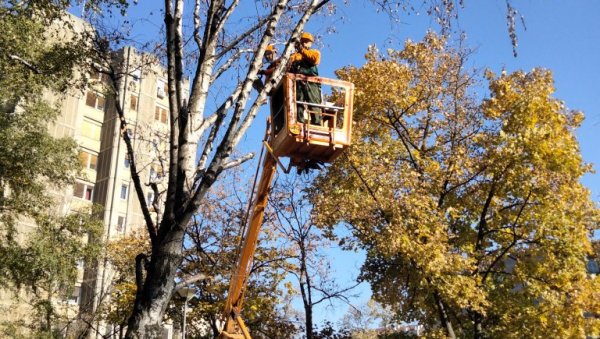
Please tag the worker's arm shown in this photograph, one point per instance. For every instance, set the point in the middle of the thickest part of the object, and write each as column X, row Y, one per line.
column 312, row 56
column 269, row 71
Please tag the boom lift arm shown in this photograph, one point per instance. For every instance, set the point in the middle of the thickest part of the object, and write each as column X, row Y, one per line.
column 302, row 142
column 233, row 304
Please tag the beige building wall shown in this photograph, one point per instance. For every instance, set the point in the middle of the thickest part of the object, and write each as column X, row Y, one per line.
column 143, row 96
column 90, row 118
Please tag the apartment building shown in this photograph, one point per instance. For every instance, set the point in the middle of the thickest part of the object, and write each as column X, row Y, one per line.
column 103, row 151
column 143, row 97
column 90, row 118
column 107, row 181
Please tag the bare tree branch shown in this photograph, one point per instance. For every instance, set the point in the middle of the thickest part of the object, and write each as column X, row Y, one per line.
column 135, row 177
column 224, row 17
column 225, row 148
column 172, row 60
column 241, row 37
column 26, row 63
column 190, row 280
column 217, row 120
column 239, row 161
column 228, row 63
column 196, row 33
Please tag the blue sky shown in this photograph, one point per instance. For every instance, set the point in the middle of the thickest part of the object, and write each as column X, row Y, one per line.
column 563, row 36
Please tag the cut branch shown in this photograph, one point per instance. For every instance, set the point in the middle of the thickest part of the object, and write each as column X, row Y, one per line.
column 238, row 161
column 191, row 279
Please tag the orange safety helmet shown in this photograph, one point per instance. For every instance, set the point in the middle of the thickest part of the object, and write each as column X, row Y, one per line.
column 307, row 36
column 270, row 49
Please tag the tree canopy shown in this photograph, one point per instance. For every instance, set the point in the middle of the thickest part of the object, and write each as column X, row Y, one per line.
column 470, row 210
column 30, row 158
column 43, row 254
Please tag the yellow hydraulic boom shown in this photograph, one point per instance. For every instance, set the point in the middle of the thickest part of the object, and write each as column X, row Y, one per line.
column 233, row 305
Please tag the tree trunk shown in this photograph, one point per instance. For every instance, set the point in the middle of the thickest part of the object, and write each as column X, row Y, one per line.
column 49, row 311
column 309, row 322
column 444, row 317
column 183, row 198
column 150, row 305
column 214, row 326
column 306, row 289
column 477, row 328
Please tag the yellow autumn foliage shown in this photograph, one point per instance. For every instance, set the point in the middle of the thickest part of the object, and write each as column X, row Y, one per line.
column 471, row 211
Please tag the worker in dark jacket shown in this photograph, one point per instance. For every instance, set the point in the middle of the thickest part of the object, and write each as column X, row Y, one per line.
column 305, row 62
column 271, row 58
column 277, row 92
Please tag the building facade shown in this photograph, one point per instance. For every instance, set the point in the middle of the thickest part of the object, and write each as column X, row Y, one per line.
column 90, row 117
column 143, row 98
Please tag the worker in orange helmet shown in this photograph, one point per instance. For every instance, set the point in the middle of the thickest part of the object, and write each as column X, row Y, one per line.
column 305, row 62
column 277, row 95
column 271, row 58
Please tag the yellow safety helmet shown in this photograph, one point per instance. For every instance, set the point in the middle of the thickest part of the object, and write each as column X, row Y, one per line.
column 270, row 49
column 307, row 36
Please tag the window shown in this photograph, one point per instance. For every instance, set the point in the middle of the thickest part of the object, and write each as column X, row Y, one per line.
column 121, row 223
column 83, row 191
column 88, row 160
column 126, row 163
column 83, row 158
column 97, row 76
column 136, row 75
column 150, row 198
column 156, row 173
column 130, row 133
column 95, row 100
column 124, row 189
column 93, row 161
column 90, row 99
column 133, row 102
column 161, row 114
column 100, row 103
column 90, row 129
column 74, row 297
column 161, row 89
